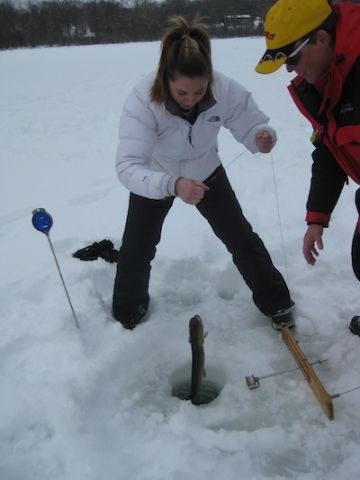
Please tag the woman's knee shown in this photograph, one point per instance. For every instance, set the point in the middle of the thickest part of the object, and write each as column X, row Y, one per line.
column 355, row 248
column 357, row 200
column 355, row 253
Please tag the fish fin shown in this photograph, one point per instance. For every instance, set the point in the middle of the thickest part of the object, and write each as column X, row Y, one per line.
column 206, row 334
column 204, row 373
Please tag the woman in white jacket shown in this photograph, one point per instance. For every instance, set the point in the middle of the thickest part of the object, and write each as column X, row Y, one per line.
column 168, row 148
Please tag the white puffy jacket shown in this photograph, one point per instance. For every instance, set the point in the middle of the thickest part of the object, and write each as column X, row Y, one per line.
column 157, row 147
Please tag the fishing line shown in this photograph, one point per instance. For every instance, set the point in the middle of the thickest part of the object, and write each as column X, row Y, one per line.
column 225, row 167
column 277, row 207
column 235, row 158
column 279, row 218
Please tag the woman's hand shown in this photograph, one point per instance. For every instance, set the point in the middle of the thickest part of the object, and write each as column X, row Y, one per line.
column 190, row 191
column 313, row 236
column 264, row 141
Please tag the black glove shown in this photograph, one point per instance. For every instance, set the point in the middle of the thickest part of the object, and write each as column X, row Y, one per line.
column 104, row 249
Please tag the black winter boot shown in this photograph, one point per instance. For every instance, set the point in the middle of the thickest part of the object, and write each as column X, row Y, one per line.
column 354, row 326
column 130, row 297
column 283, row 317
column 129, row 320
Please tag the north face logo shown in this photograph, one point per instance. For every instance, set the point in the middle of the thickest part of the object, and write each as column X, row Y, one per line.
column 346, row 108
column 215, row 118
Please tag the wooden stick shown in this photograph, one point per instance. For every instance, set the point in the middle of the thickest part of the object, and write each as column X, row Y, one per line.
column 317, row 387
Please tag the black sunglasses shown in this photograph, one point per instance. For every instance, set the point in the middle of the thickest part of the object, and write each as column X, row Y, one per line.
column 295, row 56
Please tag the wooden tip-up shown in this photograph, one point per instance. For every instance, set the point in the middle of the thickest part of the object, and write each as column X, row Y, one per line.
column 317, row 387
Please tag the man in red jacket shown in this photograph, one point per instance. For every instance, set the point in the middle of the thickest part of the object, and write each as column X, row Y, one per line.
column 321, row 43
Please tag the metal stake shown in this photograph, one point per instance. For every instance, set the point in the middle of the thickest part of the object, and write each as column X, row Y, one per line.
column 337, row 395
column 254, row 382
column 42, row 221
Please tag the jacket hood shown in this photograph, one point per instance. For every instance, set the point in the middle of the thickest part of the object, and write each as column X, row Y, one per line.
column 347, row 47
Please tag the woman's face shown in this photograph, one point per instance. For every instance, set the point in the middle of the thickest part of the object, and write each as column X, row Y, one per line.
column 188, row 91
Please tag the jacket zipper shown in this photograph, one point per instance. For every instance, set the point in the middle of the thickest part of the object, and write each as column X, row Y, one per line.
column 190, row 135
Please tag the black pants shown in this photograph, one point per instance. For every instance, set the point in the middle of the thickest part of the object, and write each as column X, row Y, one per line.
column 355, row 248
column 223, row 212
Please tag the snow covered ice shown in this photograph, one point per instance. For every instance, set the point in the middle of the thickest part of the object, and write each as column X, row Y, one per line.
column 95, row 403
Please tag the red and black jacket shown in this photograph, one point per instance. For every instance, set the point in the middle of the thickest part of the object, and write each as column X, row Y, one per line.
column 335, row 116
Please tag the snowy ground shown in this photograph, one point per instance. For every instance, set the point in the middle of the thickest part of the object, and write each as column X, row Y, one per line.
column 95, row 403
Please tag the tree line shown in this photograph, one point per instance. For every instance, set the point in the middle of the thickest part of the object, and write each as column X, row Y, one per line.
column 74, row 22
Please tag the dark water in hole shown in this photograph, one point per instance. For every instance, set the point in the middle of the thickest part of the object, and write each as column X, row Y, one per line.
column 208, row 392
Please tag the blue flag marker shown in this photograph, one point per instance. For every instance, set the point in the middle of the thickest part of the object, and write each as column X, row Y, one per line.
column 42, row 222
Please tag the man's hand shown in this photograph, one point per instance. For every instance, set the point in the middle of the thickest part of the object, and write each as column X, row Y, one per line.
column 264, row 141
column 190, row 191
column 313, row 236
